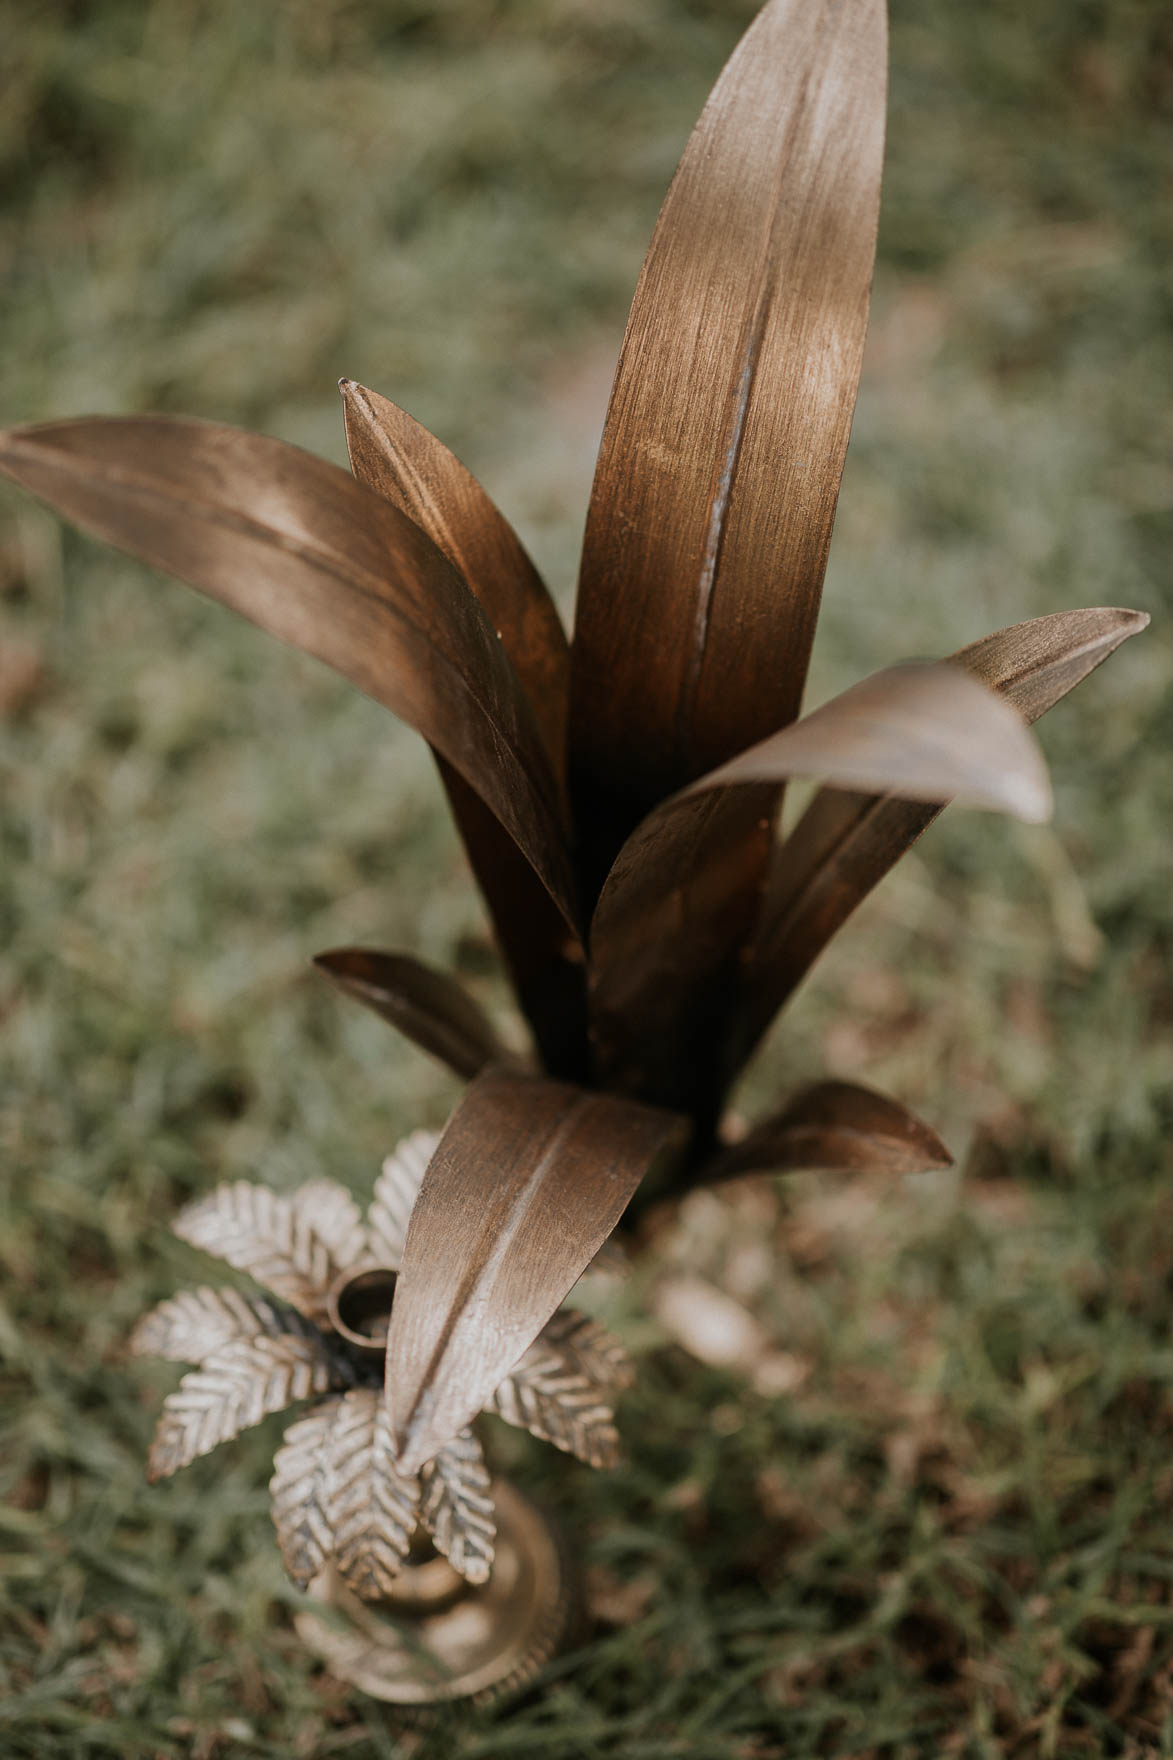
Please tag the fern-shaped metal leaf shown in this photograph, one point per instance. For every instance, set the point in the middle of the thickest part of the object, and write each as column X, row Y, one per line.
column 189, row 1327
column 236, row 1387
column 300, row 1493
column 330, row 1211
column 551, row 1394
column 372, row 1508
column 396, row 1191
column 456, row 1507
column 269, row 1236
column 594, row 1350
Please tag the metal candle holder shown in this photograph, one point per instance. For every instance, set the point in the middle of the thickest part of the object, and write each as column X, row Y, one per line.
column 618, row 799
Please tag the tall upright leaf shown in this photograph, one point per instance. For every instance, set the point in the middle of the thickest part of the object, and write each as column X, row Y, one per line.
column 395, row 455
column 846, row 842
column 719, row 471
column 538, row 1174
column 325, row 564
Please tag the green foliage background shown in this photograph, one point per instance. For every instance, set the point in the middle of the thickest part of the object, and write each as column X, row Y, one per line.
column 952, row 1536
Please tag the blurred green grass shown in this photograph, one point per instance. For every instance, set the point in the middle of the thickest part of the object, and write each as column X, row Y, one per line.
column 952, row 1537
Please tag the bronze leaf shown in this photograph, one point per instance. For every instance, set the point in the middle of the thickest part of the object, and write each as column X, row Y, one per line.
column 395, row 455
column 835, row 1125
column 670, row 921
column 427, row 1005
column 396, row 1191
column 325, row 564
column 538, row 1174
column 711, row 512
column 846, row 842
column 912, row 730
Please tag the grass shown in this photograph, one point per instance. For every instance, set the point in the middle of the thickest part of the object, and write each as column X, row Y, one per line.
column 950, row 1536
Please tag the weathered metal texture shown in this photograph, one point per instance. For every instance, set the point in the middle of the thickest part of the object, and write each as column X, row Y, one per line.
column 835, row 1125
column 702, row 570
column 663, row 936
column 545, row 961
column 529, row 1179
column 342, row 1498
column 327, row 565
column 394, row 455
column 715, row 492
column 846, row 842
column 719, row 471
column 428, row 1006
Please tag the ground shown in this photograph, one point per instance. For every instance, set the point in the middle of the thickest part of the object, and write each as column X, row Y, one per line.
column 931, row 1515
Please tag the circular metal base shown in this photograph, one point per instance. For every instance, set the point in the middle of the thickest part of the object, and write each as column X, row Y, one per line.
column 439, row 1638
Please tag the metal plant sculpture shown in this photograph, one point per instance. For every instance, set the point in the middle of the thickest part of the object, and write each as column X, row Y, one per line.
column 618, row 797
column 339, row 1495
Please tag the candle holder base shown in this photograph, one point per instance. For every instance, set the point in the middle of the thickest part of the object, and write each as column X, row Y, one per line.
column 438, row 1638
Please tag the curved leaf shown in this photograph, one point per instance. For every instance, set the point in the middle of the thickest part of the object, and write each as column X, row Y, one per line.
column 845, row 843
column 545, row 961
column 427, row 1005
column 529, row 1179
column 399, row 458
column 325, row 564
column 393, row 453
column 718, row 475
column 671, row 919
column 913, row 730
column 834, row 1125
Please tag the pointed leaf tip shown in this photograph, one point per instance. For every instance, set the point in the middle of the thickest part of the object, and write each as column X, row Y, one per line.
column 724, row 444
column 529, row 1179
column 835, row 1125
column 921, row 732
column 428, row 1006
column 845, row 843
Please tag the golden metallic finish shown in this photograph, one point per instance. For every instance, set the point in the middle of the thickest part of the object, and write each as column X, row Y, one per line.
column 344, row 1497
column 617, row 798
column 435, row 1638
